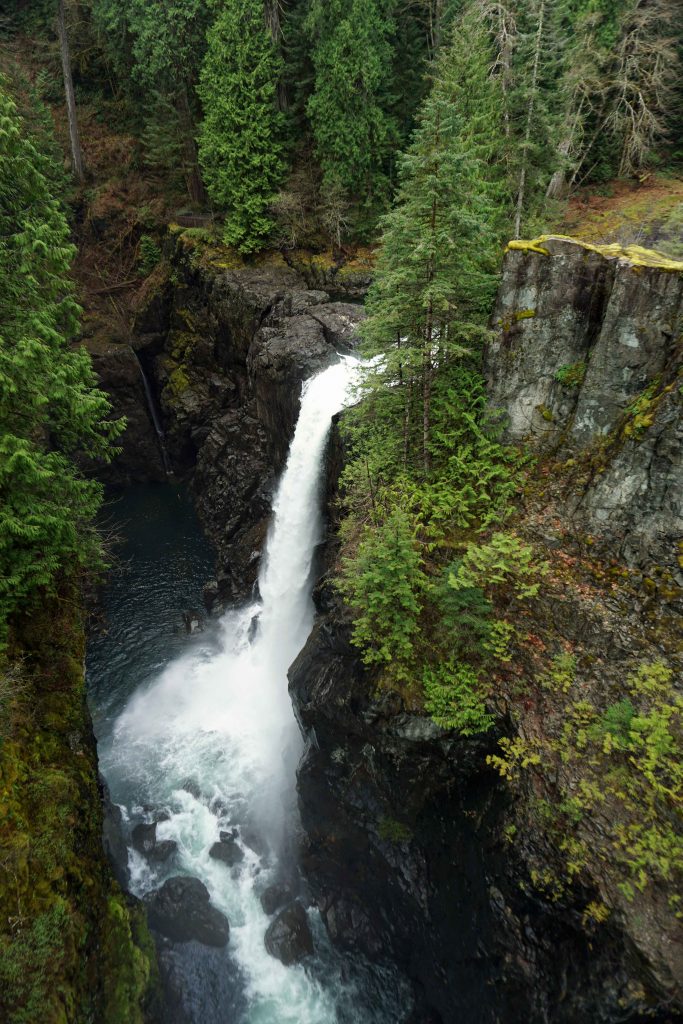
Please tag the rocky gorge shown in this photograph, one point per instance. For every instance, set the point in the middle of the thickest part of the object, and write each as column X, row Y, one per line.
column 414, row 848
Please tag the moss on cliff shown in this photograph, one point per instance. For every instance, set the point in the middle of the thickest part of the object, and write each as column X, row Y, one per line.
column 71, row 948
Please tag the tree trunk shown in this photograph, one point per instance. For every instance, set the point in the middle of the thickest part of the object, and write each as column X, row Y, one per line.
column 529, row 121
column 273, row 16
column 195, row 185
column 427, row 394
column 436, row 11
column 76, row 154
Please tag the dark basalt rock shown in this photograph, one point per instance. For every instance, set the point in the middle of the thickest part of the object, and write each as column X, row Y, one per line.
column 227, row 850
column 192, row 621
column 163, row 849
column 288, row 937
column 113, row 837
column 144, row 837
column 181, row 911
column 275, row 897
column 144, row 840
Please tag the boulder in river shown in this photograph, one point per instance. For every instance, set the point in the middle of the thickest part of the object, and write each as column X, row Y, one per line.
column 192, row 621
column 227, row 850
column 274, row 897
column 144, row 839
column 181, row 910
column 289, row 937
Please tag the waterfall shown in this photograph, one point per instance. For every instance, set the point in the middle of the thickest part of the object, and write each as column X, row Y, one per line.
column 154, row 415
column 208, row 745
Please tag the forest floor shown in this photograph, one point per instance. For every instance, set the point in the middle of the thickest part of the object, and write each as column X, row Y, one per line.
column 647, row 213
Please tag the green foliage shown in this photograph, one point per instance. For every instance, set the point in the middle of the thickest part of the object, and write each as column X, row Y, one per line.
column 422, row 449
column 354, row 132
column 383, row 583
column 70, row 947
column 454, row 698
column 571, row 376
column 241, row 137
column 50, row 408
column 624, row 763
column 165, row 38
column 149, row 254
column 505, row 562
column 393, row 831
column 561, row 673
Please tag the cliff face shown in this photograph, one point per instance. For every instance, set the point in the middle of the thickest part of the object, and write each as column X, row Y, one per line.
column 586, row 357
column 225, row 349
column 73, row 947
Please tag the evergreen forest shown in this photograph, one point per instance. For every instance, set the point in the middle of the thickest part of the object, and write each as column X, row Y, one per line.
column 422, row 137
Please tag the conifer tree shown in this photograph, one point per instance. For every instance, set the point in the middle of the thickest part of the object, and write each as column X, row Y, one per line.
column 353, row 130
column 50, row 408
column 167, row 42
column 241, row 137
column 436, row 271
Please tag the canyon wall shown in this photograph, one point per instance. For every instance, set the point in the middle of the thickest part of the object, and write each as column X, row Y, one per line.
column 415, row 850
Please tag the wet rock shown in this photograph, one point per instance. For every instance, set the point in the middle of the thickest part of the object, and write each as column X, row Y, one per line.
column 113, row 837
column 275, row 897
column 227, row 851
column 118, row 372
column 181, row 910
column 144, row 837
column 192, row 621
column 163, row 849
column 144, row 840
column 340, row 322
column 578, row 336
column 289, row 937
column 211, row 598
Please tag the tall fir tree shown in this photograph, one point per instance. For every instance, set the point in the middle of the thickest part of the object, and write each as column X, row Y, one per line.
column 355, row 133
column 161, row 44
column 241, row 146
column 436, row 271
column 50, row 408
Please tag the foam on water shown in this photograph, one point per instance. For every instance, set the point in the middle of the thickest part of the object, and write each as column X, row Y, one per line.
column 212, row 740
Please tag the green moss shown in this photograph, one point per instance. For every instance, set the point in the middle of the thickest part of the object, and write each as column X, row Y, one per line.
column 545, row 412
column 59, row 936
column 393, row 831
column 572, row 375
column 178, row 382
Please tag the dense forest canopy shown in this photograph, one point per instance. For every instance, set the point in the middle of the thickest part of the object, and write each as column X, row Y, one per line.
column 314, row 101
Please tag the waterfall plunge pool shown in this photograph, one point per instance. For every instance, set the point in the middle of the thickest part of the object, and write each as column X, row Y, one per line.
column 197, row 734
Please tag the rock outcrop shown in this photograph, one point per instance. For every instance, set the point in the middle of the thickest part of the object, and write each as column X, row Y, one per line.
column 227, row 351
column 288, row 938
column 586, row 359
column 181, row 911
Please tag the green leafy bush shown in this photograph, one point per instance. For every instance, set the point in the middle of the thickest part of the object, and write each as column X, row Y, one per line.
column 453, row 697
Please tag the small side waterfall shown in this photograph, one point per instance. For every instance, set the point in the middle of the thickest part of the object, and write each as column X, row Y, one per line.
column 154, row 415
column 210, row 745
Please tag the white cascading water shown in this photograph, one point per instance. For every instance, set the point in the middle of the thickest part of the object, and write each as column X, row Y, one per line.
column 204, row 742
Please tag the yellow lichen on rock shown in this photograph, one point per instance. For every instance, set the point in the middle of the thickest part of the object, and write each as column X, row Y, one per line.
column 636, row 255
